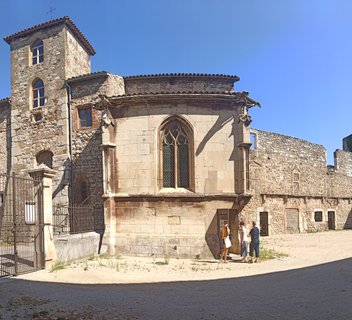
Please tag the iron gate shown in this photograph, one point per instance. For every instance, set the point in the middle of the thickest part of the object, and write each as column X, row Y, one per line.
column 21, row 225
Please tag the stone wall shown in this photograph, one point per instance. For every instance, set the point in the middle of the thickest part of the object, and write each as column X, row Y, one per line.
column 144, row 218
column 276, row 158
column 87, row 141
column 5, row 136
column 63, row 58
column 77, row 60
column 168, row 227
column 273, row 162
column 137, row 147
column 179, row 83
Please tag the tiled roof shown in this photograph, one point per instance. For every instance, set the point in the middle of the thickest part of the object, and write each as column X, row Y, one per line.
column 64, row 20
column 88, row 76
column 180, row 75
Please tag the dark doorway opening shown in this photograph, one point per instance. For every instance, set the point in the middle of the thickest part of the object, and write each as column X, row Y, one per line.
column 331, row 220
column 264, row 223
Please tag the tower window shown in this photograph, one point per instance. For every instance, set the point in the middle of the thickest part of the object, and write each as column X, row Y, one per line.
column 85, row 117
column 38, row 94
column 38, row 52
column 176, row 155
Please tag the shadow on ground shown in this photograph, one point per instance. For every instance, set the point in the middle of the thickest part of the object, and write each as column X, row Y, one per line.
column 319, row 292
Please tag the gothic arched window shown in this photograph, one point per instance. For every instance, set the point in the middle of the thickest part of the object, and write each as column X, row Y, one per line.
column 176, row 154
column 38, row 52
column 38, row 93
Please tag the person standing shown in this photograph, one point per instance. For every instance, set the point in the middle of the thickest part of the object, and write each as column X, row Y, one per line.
column 225, row 241
column 254, row 234
column 243, row 240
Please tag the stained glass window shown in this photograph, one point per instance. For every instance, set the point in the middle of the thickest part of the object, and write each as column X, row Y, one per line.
column 175, row 156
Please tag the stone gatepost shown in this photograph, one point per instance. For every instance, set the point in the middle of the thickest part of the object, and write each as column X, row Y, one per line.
column 45, row 175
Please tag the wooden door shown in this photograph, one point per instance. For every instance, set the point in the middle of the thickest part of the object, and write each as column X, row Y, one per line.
column 331, row 220
column 292, row 221
column 264, row 223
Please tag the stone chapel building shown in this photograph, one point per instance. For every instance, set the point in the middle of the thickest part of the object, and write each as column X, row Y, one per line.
column 163, row 159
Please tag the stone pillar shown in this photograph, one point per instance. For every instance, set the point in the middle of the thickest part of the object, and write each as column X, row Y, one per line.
column 242, row 145
column 109, row 239
column 45, row 175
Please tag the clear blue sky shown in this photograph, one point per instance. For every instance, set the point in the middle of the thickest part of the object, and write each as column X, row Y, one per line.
column 293, row 56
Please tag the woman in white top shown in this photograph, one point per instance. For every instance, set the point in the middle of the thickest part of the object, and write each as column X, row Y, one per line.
column 243, row 233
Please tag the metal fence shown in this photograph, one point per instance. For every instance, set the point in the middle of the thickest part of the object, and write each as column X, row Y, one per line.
column 73, row 219
column 21, row 225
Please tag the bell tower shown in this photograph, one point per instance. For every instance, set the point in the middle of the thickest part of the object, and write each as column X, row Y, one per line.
column 43, row 57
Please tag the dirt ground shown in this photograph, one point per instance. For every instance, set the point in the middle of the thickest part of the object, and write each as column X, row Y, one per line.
column 311, row 279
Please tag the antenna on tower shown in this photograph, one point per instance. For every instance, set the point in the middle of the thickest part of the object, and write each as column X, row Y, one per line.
column 51, row 12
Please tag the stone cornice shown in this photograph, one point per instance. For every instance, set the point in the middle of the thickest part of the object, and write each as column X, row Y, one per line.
column 177, row 196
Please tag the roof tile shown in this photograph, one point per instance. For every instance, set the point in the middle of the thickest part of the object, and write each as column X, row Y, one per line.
column 64, row 20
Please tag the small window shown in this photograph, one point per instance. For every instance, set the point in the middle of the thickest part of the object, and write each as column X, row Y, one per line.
column 38, row 117
column 253, row 138
column 38, row 94
column 318, row 216
column 38, row 52
column 85, row 117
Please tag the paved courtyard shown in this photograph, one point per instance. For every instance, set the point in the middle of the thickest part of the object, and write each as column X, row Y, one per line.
column 313, row 282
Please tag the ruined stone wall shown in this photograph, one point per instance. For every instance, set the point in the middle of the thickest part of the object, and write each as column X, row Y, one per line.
column 273, row 162
column 343, row 162
column 277, row 157
column 177, row 83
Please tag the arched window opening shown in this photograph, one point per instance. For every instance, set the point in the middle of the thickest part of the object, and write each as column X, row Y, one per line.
column 176, row 155
column 38, row 52
column 45, row 157
column 82, row 191
column 38, row 94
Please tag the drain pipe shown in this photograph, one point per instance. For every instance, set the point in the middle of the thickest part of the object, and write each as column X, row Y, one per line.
column 69, row 96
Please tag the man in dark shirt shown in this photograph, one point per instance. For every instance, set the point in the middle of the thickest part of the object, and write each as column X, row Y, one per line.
column 254, row 234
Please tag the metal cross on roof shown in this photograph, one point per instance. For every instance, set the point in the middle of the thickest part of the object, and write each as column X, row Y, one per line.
column 51, row 12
